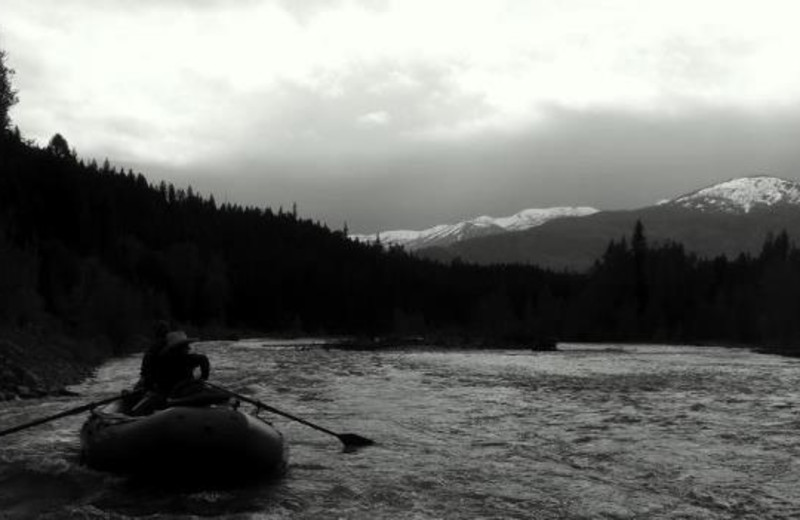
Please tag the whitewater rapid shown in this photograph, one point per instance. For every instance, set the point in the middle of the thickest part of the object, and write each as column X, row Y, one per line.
column 587, row 432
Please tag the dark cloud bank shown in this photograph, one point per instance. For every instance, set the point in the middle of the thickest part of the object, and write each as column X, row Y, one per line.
column 610, row 160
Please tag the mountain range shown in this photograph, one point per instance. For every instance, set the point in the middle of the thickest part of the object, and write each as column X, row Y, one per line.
column 729, row 218
column 446, row 234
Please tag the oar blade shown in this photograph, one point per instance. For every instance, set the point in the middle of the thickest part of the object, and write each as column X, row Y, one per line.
column 352, row 440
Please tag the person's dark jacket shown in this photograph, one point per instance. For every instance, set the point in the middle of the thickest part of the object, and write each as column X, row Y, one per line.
column 147, row 373
column 177, row 365
column 149, row 360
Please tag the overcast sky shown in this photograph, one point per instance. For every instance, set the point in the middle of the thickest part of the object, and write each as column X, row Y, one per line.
column 390, row 114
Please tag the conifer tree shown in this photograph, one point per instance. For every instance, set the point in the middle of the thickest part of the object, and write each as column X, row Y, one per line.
column 639, row 248
column 59, row 147
column 8, row 96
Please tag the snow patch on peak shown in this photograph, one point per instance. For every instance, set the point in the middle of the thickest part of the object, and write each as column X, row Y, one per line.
column 483, row 220
column 529, row 218
column 742, row 195
column 445, row 234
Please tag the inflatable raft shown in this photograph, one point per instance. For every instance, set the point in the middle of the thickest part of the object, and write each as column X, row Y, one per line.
column 214, row 443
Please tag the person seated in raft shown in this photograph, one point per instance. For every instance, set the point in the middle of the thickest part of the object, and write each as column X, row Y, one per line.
column 176, row 363
column 144, row 391
column 167, row 368
column 147, row 372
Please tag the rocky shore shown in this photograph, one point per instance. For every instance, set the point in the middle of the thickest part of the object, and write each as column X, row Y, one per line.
column 37, row 364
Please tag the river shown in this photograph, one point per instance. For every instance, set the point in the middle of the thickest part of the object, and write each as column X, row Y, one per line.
column 586, row 432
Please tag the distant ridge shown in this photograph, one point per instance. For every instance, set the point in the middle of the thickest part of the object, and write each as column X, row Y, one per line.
column 742, row 195
column 734, row 196
column 446, row 234
column 728, row 218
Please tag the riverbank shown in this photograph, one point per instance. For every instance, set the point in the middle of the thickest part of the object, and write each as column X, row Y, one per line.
column 38, row 363
column 442, row 342
column 549, row 344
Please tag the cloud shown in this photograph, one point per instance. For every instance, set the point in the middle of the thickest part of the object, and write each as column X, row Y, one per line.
column 167, row 61
column 464, row 107
column 377, row 118
column 606, row 159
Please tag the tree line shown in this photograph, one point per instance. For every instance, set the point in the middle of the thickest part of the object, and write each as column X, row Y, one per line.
column 102, row 251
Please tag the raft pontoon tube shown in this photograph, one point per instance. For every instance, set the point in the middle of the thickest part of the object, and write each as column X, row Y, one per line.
column 194, row 443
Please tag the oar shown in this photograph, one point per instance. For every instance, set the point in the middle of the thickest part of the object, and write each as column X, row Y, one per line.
column 350, row 440
column 73, row 411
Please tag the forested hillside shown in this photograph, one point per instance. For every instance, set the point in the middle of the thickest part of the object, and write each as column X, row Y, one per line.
column 105, row 253
column 98, row 253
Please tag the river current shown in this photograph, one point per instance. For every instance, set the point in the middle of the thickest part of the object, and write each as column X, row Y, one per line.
column 586, row 432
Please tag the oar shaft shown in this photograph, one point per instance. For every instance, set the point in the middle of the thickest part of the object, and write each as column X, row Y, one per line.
column 286, row 414
column 72, row 411
column 273, row 410
column 350, row 440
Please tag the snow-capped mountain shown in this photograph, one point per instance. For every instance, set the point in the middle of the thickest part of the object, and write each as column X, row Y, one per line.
column 728, row 218
column 446, row 234
column 741, row 195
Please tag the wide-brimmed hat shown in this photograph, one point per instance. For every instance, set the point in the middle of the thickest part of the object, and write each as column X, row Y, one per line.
column 175, row 339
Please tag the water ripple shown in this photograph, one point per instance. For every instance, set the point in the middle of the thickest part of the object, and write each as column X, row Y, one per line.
column 589, row 432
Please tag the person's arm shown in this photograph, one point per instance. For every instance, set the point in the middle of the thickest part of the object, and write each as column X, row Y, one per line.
column 199, row 360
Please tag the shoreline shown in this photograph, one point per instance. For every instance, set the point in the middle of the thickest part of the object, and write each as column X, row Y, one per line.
column 35, row 364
